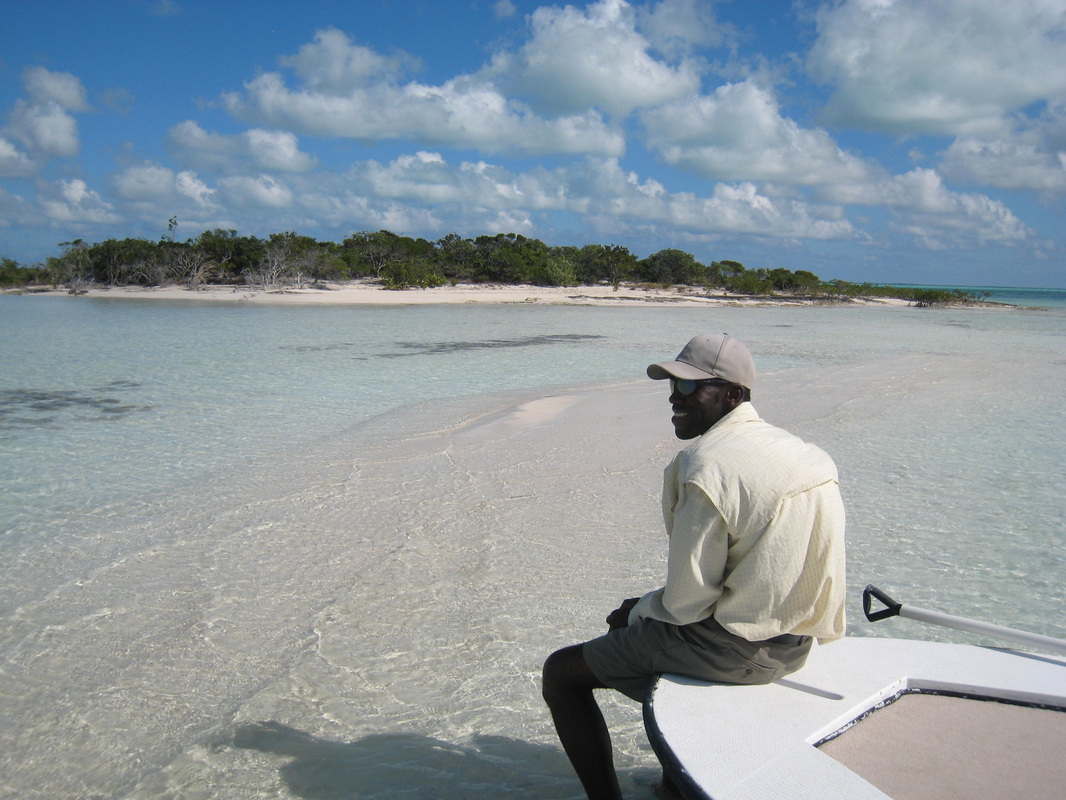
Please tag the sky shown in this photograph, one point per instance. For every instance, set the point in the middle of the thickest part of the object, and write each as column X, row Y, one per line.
column 894, row 141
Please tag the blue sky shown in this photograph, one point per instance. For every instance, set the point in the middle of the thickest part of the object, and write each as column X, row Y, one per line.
column 919, row 141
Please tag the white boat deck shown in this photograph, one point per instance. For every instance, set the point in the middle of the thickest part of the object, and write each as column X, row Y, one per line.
column 762, row 742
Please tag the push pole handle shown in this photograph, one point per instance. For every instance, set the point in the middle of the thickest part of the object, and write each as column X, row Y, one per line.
column 891, row 608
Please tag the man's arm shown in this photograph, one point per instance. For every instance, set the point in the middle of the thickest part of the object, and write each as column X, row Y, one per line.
column 699, row 546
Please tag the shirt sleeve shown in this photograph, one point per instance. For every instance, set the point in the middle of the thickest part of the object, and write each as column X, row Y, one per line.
column 696, row 562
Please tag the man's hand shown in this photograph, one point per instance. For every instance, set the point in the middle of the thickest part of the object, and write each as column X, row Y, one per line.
column 619, row 618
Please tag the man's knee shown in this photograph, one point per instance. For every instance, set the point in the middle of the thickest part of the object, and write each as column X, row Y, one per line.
column 553, row 675
column 565, row 671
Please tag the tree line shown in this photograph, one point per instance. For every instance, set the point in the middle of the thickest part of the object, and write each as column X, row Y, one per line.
column 290, row 260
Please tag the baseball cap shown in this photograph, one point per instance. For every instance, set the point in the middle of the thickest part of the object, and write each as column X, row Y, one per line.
column 709, row 355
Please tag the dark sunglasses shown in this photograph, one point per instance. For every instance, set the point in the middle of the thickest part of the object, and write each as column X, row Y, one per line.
column 685, row 387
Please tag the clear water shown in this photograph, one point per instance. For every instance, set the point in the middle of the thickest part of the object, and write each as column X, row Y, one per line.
column 321, row 552
column 1013, row 295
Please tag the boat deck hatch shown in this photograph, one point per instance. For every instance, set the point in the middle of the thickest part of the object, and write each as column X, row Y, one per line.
column 928, row 746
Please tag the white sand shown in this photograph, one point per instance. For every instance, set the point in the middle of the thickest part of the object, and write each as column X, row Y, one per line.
column 364, row 292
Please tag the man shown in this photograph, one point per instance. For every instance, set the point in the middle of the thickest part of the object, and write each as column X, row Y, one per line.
column 755, row 567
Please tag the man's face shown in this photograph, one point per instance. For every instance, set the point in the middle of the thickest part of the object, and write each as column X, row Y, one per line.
column 695, row 413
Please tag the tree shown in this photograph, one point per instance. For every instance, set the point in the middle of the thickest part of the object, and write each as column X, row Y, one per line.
column 227, row 255
column 457, row 257
column 287, row 259
column 407, row 274
column 670, row 267
column 555, row 269
column 74, row 267
column 748, row 282
column 807, row 281
column 611, row 263
column 509, row 257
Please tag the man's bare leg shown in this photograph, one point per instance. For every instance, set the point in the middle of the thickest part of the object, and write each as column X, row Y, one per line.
column 567, row 688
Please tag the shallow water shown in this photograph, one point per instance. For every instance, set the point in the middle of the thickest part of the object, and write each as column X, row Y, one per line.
column 322, row 552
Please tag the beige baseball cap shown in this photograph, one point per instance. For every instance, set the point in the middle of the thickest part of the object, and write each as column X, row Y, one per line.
column 709, row 355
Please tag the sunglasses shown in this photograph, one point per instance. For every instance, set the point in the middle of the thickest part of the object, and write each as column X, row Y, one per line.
column 686, row 387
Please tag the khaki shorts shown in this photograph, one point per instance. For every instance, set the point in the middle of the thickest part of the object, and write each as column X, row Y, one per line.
column 628, row 659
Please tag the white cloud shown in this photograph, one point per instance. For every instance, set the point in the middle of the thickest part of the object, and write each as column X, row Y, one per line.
column 254, row 150
column 13, row 162
column 579, row 59
column 938, row 66
column 43, row 124
column 675, row 27
column 158, row 186
column 276, row 150
column 262, row 191
column 61, row 88
column 45, row 129
column 144, row 182
column 1019, row 163
column 188, row 185
column 460, row 113
column 463, row 112
column 16, row 210
column 1033, row 158
column 592, row 188
column 349, row 210
column 504, row 9
column 738, row 133
column 74, row 202
column 926, row 209
column 333, row 65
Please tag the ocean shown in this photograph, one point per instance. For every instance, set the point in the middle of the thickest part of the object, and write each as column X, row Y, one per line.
column 322, row 551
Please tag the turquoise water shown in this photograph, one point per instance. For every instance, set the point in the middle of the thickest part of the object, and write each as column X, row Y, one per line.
column 367, row 525
column 1046, row 298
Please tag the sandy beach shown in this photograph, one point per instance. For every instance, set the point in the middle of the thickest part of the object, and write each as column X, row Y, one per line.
column 367, row 292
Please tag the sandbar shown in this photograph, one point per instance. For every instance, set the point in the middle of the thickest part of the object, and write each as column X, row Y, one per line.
column 366, row 292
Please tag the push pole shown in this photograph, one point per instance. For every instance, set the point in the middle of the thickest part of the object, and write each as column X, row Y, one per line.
column 894, row 608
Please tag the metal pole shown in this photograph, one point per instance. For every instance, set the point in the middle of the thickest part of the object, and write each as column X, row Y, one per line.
column 959, row 623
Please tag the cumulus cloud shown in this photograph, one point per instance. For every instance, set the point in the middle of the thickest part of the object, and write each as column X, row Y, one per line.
column 925, row 208
column 16, row 210
column 74, row 202
column 43, row 124
column 730, row 208
column 336, row 100
column 334, row 65
column 46, row 130
column 739, row 133
column 1033, row 158
column 675, row 27
column 954, row 67
column 263, row 191
column 61, row 88
column 590, row 188
column 504, row 9
column 156, row 184
column 253, row 150
column 14, row 163
column 579, row 59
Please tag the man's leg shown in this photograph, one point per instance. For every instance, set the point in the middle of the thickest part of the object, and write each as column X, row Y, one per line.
column 567, row 688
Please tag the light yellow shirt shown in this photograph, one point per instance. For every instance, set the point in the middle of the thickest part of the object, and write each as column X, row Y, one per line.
column 756, row 528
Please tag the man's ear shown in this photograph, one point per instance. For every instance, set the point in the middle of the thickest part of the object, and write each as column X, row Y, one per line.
column 734, row 395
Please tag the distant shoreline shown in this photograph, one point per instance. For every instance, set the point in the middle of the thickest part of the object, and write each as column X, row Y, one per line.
column 364, row 292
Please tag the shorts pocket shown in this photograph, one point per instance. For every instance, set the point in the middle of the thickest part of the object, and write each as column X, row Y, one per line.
column 746, row 669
